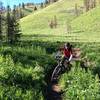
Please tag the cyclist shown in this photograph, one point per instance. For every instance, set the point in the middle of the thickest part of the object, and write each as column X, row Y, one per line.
column 67, row 52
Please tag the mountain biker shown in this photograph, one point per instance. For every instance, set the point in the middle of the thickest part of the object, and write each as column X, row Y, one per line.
column 67, row 51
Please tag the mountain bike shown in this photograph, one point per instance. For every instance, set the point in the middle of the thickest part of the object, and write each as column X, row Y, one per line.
column 60, row 69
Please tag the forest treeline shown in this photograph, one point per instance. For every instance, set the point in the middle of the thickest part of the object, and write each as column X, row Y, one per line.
column 9, row 26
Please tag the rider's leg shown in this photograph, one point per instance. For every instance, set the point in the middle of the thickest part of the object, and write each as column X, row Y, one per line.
column 63, row 60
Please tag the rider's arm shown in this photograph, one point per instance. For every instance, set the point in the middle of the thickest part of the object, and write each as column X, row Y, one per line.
column 70, row 57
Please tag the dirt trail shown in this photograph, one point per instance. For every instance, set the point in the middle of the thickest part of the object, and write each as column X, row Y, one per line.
column 53, row 92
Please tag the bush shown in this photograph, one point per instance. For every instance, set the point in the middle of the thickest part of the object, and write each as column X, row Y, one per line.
column 79, row 85
column 17, row 82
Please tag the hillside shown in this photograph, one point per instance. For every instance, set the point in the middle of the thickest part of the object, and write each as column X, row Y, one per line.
column 37, row 23
column 88, row 21
column 88, row 25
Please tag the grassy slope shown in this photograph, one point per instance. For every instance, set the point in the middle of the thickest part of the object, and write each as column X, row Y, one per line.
column 88, row 21
column 37, row 23
column 88, row 25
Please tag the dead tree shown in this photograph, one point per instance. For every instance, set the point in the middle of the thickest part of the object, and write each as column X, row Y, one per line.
column 94, row 3
column 89, row 4
column 68, row 27
column 51, row 24
column 76, row 10
column 99, row 2
column 55, row 22
column 86, row 5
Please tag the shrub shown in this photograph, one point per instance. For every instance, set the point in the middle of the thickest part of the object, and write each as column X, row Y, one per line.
column 17, row 82
column 79, row 85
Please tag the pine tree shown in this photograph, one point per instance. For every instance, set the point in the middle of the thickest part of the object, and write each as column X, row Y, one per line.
column 1, row 26
column 8, row 22
column 13, row 32
column 15, row 29
column 21, row 14
column 35, row 8
column 1, row 20
column 19, row 5
column 46, row 2
column 14, row 11
column 41, row 5
column 23, row 5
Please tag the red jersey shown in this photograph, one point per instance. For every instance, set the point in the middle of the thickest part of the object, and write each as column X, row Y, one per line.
column 67, row 53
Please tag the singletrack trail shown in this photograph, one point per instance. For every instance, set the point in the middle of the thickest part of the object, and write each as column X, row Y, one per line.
column 54, row 91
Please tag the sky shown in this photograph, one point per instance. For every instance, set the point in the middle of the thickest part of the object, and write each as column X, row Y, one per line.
column 16, row 2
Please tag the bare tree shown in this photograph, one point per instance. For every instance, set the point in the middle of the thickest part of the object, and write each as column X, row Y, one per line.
column 68, row 27
column 86, row 5
column 51, row 24
column 99, row 2
column 55, row 22
column 94, row 3
column 76, row 10
column 89, row 4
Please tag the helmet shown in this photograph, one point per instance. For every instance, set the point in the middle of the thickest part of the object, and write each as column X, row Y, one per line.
column 67, row 45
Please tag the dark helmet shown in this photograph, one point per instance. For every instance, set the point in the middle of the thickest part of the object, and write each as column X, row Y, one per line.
column 68, row 45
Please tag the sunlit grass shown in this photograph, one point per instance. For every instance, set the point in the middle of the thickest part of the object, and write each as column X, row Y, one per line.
column 85, row 28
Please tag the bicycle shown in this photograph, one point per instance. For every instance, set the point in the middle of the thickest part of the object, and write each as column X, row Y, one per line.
column 60, row 69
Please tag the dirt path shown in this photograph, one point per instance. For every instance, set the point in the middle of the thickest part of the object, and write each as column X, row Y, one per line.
column 54, row 92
